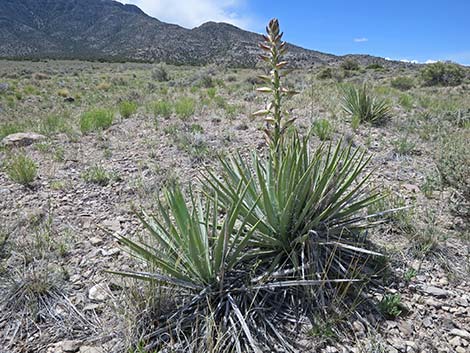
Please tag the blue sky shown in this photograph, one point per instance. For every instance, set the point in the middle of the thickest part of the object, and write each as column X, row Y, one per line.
column 409, row 30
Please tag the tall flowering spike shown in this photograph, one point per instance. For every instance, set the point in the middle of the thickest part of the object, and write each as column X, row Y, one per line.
column 274, row 49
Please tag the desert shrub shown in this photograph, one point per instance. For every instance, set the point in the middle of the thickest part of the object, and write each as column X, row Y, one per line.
column 325, row 74
column 161, row 108
column 442, row 74
column 375, row 66
column 403, row 83
column 185, row 107
column 160, row 73
column 453, row 161
column 21, row 169
column 323, row 129
column 127, row 109
column 103, row 86
column 363, row 106
column 96, row 120
column 63, row 92
column 350, row 65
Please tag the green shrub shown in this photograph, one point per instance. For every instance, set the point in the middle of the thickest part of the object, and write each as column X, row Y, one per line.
column 325, row 74
column 21, row 169
column 442, row 74
column 350, row 65
column 362, row 106
column 127, row 109
column 323, row 129
column 185, row 107
column 96, row 120
column 403, row 83
column 375, row 66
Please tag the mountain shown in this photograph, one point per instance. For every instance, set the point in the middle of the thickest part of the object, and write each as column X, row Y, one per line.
column 110, row 30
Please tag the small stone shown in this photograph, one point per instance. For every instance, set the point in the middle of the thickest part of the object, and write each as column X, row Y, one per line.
column 95, row 241
column 113, row 225
column 359, row 328
column 69, row 346
column 427, row 322
column 22, row 139
column 461, row 350
column 460, row 333
column 455, row 342
column 433, row 302
column 110, row 252
column 435, row 291
column 406, row 328
column 98, row 292
column 90, row 349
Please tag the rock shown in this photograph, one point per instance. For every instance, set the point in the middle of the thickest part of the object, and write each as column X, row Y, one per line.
column 113, row 225
column 90, row 349
column 427, row 322
column 95, row 241
column 98, row 292
column 69, row 346
column 406, row 328
column 461, row 350
column 455, row 342
column 435, row 291
column 110, row 252
column 69, row 100
column 4, row 87
column 460, row 333
column 22, row 139
column 359, row 328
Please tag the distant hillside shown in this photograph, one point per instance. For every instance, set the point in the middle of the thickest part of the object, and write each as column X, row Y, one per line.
column 109, row 30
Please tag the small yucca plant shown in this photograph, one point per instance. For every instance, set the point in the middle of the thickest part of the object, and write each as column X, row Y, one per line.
column 363, row 106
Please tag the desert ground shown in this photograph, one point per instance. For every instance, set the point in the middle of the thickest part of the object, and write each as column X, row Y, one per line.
column 166, row 125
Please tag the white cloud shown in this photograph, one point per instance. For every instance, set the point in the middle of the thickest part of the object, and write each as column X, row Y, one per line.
column 430, row 61
column 409, row 61
column 192, row 13
column 361, row 40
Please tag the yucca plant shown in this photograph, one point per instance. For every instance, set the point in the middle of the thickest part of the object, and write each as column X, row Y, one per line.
column 315, row 195
column 199, row 251
column 363, row 106
column 270, row 242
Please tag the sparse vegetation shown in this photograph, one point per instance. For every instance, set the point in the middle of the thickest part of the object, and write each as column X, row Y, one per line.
column 21, row 169
column 97, row 174
column 403, row 83
column 185, row 107
column 96, row 120
column 350, row 65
